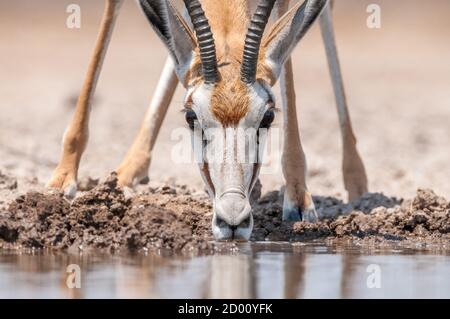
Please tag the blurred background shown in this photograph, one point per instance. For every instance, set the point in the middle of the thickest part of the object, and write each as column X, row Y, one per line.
column 397, row 80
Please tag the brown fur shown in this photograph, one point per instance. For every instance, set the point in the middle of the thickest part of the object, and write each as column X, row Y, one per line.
column 230, row 102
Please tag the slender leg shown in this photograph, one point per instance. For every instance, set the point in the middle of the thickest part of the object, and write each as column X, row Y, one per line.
column 75, row 139
column 355, row 179
column 298, row 201
column 134, row 167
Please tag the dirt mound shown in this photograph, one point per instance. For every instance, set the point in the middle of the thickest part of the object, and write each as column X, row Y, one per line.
column 176, row 219
column 425, row 219
column 104, row 218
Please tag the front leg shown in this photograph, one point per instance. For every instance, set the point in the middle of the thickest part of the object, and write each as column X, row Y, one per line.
column 298, row 203
column 75, row 139
column 134, row 167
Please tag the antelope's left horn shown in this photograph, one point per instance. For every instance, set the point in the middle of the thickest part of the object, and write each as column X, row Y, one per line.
column 205, row 41
column 253, row 40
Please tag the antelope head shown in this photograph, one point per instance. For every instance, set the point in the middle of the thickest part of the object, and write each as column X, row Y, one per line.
column 229, row 97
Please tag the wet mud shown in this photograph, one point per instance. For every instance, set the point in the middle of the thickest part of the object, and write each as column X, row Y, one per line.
column 177, row 219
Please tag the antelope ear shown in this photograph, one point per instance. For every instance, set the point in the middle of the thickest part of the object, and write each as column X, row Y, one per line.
column 174, row 31
column 278, row 43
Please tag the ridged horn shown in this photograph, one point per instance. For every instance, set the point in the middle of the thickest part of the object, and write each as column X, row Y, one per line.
column 253, row 40
column 205, row 41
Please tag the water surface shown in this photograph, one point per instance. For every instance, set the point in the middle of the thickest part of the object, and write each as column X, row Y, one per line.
column 257, row 270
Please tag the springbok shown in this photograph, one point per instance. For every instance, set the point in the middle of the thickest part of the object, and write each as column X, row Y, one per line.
column 228, row 65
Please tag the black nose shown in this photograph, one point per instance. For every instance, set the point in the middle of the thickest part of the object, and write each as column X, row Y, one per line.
column 244, row 224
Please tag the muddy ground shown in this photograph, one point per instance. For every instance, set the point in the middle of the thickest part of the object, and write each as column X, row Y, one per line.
column 176, row 219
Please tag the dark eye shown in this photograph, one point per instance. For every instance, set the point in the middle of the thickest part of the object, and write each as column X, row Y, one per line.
column 267, row 120
column 191, row 118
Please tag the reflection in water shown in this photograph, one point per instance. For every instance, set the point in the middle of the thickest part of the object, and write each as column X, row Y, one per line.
column 294, row 270
column 263, row 270
column 231, row 277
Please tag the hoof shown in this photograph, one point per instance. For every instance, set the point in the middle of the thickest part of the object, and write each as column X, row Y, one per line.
column 294, row 212
column 63, row 184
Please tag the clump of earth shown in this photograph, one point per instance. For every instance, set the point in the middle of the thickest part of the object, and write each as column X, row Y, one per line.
column 177, row 219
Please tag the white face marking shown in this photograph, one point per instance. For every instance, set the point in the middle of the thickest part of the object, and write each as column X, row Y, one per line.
column 260, row 95
column 229, row 178
column 201, row 98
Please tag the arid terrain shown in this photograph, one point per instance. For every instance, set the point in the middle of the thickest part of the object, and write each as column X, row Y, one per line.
column 176, row 219
column 397, row 80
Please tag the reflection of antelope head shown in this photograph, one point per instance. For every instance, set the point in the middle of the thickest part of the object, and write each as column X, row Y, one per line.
column 228, row 68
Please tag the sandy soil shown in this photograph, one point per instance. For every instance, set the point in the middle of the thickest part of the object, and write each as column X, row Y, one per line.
column 176, row 219
column 397, row 80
